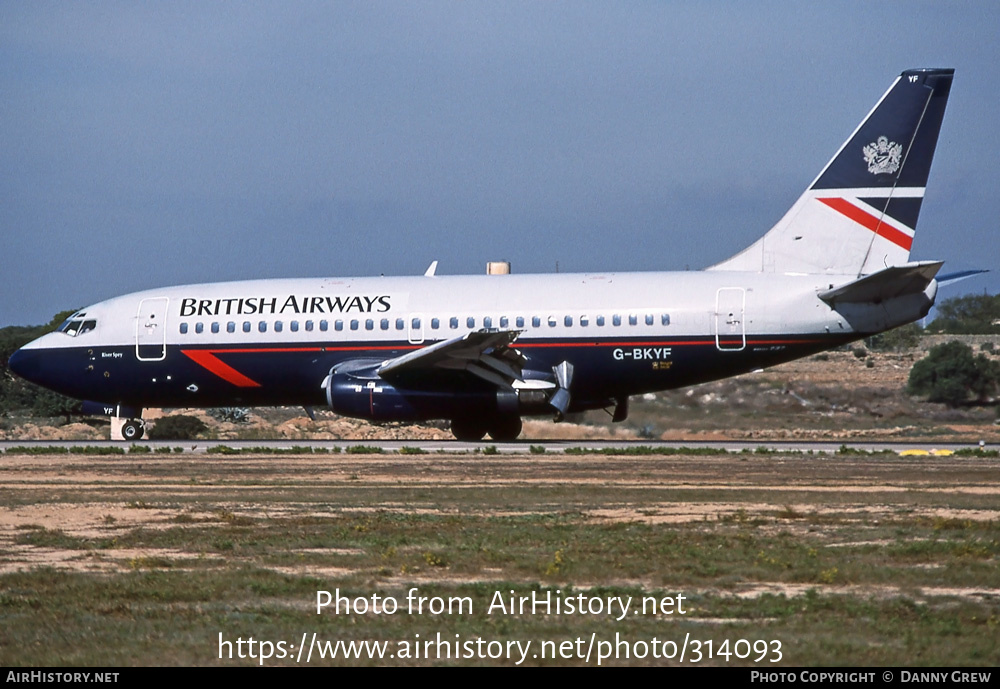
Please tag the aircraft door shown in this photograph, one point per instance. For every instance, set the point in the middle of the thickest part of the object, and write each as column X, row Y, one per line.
column 151, row 329
column 730, row 329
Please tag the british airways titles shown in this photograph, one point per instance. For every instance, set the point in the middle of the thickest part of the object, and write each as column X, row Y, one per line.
column 247, row 306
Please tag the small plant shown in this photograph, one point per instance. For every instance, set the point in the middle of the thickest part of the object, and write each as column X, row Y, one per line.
column 435, row 560
column 537, row 449
column 859, row 352
column 231, row 414
column 222, row 450
column 555, row 567
column 490, row 450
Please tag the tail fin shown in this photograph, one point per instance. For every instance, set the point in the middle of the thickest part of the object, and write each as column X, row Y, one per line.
column 860, row 214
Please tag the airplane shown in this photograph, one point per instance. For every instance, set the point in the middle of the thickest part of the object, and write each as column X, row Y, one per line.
column 484, row 351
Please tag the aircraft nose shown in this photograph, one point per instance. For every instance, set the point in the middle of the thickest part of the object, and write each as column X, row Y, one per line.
column 24, row 363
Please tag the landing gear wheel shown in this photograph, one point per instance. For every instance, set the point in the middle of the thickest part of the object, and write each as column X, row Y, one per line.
column 469, row 430
column 506, row 429
column 132, row 430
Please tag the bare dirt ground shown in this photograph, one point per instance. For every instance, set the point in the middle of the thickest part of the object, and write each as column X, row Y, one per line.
column 83, row 497
column 843, row 559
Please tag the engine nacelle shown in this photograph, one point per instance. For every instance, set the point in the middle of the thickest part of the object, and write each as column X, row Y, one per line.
column 368, row 397
column 377, row 400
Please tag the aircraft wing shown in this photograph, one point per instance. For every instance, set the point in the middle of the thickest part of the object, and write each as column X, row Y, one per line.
column 487, row 354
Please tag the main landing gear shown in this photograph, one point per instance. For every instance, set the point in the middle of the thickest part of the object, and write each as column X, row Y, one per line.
column 503, row 429
column 133, row 429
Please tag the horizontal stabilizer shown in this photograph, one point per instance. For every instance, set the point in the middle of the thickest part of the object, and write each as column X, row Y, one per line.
column 952, row 278
column 897, row 281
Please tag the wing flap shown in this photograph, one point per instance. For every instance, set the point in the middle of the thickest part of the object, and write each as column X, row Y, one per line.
column 486, row 354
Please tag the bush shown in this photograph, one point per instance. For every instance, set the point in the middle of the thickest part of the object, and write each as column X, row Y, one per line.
column 972, row 313
column 901, row 339
column 177, row 428
column 951, row 374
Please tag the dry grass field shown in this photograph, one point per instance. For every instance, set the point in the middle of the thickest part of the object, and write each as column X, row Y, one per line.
column 819, row 559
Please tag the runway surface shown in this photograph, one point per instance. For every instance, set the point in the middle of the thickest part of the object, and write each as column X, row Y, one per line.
column 515, row 448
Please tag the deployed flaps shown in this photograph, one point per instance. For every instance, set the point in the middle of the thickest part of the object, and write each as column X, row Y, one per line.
column 561, row 398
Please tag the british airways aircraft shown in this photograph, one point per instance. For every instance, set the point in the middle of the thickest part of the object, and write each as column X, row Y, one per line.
column 485, row 351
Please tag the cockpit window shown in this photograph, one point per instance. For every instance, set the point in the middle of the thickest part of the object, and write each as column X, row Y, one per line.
column 77, row 324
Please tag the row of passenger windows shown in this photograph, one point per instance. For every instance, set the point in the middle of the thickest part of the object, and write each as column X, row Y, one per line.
column 488, row 322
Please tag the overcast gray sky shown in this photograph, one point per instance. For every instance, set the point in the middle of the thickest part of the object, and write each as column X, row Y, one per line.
column 149, row 144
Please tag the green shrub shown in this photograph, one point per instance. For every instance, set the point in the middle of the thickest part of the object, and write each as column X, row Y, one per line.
column 177, row 428
column 950, row 374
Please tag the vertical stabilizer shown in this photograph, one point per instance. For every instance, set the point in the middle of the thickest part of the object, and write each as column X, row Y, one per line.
column 860, row 214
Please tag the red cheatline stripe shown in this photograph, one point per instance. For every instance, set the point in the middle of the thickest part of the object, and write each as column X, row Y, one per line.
column 207, row 359
column 867, row 220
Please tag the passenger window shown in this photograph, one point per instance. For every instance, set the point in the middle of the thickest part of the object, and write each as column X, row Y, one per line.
column 199, row 328
column 632, row 319
column 616, row 320
column 536, row 322
column 585, row 321
column 384, row 324
column 184, row 328
column 649, row 319
column 504, row 322
column 369, row 324
column 246, row 326
column 665, row 319
column 262, row 326
column 568, row 321
column 338, row 325
column 215, row 327
column 600, row 321
column 453, row 323
column 435, row 324
column 470, row 322
column 400, row 324
column 487, row 322
column 309, row 326
column 231, row 327
column 552, row 321
column 519, row 322
column 295, row 326
column 415, row 324
column 277, row 326
column 324, row 325
column 354, row 324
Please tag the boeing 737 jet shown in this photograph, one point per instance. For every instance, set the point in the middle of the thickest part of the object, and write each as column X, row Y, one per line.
column 485, row 351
